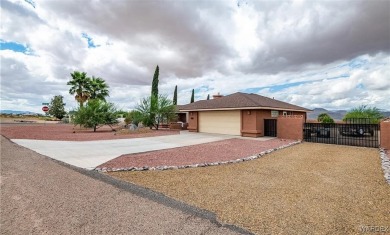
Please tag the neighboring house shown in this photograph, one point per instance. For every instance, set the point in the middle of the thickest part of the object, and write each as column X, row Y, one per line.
column 181, row 116
column 239, row 114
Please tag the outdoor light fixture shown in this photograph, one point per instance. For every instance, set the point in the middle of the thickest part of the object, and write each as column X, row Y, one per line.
column 249, row 112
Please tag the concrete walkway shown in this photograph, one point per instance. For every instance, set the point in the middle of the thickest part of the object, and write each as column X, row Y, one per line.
column 90, row 154
column 40, row 196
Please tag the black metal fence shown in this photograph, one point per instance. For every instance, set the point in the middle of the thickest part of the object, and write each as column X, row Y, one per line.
column 356, row 132
column 270, row 127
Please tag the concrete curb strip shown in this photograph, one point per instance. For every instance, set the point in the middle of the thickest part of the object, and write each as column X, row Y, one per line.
column 145, row 168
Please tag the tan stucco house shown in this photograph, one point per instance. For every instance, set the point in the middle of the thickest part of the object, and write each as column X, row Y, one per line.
column 240, row 114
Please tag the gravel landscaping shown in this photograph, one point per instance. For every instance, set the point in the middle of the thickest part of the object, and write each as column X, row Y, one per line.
column 304, row 189
column 214, row 153
column 71, row 133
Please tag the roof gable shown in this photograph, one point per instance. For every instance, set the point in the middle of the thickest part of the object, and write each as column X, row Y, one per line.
column 240, row 100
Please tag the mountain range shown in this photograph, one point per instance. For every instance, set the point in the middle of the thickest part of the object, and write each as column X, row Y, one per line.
column 337, row 115
column 6, row 111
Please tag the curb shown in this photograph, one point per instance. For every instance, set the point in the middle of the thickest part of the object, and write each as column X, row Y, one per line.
column 162, row 168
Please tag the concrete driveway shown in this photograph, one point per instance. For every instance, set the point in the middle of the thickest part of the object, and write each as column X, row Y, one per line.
column 90, row 154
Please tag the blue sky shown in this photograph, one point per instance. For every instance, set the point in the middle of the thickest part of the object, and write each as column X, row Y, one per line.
column 333, row 55
column 13, row 46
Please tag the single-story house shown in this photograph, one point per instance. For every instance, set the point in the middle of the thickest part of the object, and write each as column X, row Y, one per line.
column 241, row 114
column 181, row 116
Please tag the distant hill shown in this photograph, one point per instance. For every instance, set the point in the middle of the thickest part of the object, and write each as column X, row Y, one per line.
column 337, row 115
column 6, row 111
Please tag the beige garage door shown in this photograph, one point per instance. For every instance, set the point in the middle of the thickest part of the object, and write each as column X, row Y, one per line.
column 221, row 122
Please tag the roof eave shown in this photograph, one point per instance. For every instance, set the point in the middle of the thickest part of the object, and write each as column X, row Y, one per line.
column 245, row 108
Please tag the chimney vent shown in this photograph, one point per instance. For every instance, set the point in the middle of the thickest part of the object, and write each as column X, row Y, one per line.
column 217, row 96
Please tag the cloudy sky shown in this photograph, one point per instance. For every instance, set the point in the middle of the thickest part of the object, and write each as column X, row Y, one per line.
column 329, row 54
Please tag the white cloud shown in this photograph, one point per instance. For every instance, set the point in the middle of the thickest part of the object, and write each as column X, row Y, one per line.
column 333, row 54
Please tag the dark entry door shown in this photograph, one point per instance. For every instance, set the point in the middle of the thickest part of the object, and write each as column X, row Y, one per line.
column 270, row 127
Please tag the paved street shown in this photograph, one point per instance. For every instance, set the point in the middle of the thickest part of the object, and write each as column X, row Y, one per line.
column 41, row 196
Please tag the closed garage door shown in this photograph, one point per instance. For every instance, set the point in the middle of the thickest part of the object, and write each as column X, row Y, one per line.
column 221, row 122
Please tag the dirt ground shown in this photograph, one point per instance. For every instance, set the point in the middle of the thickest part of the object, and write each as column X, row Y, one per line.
column 305, row 189
column 71, row 133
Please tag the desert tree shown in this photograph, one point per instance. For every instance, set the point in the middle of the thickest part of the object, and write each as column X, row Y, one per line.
column 175, row 96
column 193, row 96
column 98, row 89
column 57, row 107
column 363, row 111
column 163, row 110
column 155, row 82
column 80, row 87
column 325, row 118
column 134, row 117
column 95, row 114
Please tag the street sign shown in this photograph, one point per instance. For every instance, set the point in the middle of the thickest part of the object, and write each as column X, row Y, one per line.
column 45, row 103
column 45, row 109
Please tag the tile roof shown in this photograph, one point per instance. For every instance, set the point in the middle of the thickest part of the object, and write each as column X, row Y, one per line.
column 240, row 100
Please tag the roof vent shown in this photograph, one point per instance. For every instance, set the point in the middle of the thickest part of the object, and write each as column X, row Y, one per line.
column 217, row 96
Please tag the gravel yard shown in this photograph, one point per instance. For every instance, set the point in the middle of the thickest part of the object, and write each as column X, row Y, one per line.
column 304, row 189
column 71, row 133
column 218, row 151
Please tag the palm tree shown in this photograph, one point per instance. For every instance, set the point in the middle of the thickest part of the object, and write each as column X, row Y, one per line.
column 80, row 85
column 98, row 89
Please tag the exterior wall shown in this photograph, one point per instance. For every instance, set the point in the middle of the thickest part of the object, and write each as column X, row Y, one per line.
column 385, row 134
column 290, row 127
column 193, row 122
column 178, row 126
column 252, row 121
column 221, row 122
column 249, row 123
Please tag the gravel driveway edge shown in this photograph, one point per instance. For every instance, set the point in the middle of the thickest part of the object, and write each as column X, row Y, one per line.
column 148, row 194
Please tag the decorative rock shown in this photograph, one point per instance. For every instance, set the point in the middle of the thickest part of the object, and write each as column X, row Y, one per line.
column 132, row 127
column 385, row 164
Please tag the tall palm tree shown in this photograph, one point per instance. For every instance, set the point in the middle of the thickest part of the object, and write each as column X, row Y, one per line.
column 80, row 84
column 98, row 89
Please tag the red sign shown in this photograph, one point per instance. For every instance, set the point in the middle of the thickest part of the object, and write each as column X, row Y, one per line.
column 45, row 108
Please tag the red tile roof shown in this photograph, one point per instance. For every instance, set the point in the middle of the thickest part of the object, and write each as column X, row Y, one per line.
column 241, row 101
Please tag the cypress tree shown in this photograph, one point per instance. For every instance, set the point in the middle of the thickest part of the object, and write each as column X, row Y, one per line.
column 175, row 96
column 208, row 96
column 193, row 96
column 154, row 97
column 155, row 82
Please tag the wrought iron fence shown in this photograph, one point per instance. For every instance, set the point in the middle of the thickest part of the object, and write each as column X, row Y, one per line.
column 270, row 127
column 356, row 132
